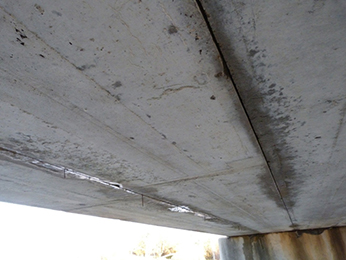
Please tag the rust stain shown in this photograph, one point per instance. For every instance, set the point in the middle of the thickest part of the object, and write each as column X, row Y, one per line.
column 315, row 244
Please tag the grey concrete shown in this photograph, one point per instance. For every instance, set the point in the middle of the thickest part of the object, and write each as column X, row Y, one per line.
column 123, row 110
column 286, row 59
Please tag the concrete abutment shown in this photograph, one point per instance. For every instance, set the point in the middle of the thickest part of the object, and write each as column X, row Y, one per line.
column 316, row 244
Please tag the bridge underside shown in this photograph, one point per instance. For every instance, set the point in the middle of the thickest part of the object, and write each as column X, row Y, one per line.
column 221, row 116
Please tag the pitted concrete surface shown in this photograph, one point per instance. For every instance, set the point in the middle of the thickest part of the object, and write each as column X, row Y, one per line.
column 124, row 110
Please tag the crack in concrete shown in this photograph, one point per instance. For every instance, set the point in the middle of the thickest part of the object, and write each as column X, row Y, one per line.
column 234, row 167
column 336, row 138
column 228, row 74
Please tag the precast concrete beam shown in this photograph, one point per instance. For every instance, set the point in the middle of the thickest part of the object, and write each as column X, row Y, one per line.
column 286, row 60
column 128, row 94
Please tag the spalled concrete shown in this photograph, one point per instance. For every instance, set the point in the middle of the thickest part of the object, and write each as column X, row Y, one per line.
column 135, row 97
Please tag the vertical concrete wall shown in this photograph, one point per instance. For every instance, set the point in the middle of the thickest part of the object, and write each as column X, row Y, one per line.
column 315, row 244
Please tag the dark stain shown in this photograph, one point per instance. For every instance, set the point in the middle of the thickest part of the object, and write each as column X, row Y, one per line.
column 39, row 8
column 132, row 138
column 296, row 245
column 70, row 43
column 174, row 143
column 41, row 55
column 252, row 53
column 260, row 247
column 117, row 84
column 172, row 29
column 147, row 190
column 271, row 91
column 149, row 116
column 86, row 67
column 252, row 83
column 21, row 33
column 315, row 232
column 272, row 85
column 247, row 248
column 56, row 13
column 212, row 97
column 338, row 242
column 111, row 193
column 118, row 97
column 20, row 41
column 272, row 246
column 218, row 75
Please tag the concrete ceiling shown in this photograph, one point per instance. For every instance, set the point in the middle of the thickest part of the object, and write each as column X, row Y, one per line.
column 218, row 116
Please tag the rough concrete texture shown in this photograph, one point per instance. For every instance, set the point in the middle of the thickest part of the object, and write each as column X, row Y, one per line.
column 317, row 244
column 124, row 110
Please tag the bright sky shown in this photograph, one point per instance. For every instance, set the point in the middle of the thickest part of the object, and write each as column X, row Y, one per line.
column 41, row 234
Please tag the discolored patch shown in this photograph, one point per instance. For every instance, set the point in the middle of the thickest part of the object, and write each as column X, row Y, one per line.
column 172, row 29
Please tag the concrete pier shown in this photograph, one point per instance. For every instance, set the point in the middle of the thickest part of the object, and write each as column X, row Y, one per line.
column 317, row 244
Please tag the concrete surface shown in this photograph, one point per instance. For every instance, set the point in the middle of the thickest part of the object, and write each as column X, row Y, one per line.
column 286, row 59
column 314, row 244
column 124, row 110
